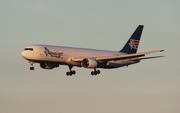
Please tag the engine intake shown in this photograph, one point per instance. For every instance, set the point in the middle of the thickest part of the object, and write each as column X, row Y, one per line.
column 89, row 63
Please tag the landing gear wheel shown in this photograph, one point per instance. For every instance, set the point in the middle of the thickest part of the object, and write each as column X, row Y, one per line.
column 31, row 68
column 92, row 73
column 70, row 72
column 73, row 72
column 98, row 72
column 67, row 73
column 95, row 72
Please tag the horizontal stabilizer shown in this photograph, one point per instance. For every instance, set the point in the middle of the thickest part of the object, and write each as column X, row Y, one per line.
column 144, row 58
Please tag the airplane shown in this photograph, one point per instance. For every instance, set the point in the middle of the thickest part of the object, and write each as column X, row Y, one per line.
column 50, row 56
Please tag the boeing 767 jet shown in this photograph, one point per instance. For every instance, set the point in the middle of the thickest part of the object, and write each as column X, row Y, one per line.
column 50, row 56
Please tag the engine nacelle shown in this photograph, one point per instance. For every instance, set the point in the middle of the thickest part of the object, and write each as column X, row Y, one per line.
column 48, row 66
column 89, row 63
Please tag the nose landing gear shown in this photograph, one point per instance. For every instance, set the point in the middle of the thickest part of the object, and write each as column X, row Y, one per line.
column 31, row 68
column 31, row 65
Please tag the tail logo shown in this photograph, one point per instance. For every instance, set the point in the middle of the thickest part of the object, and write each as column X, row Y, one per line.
column 53, row 54
column 134, row 44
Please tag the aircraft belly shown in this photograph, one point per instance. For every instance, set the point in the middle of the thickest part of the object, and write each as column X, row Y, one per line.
column 117, row 64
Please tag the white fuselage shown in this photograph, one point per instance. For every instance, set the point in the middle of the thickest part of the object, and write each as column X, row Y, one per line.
column 64, row 55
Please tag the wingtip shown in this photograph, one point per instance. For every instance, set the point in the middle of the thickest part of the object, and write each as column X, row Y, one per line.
column 162, row 50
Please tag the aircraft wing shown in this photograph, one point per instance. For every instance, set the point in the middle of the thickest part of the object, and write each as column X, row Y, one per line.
column 125, row 56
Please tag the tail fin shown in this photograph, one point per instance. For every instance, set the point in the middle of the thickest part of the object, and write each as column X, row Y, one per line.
column 132, row 44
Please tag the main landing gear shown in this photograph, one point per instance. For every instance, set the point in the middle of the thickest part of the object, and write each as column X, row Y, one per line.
column 31, row 65
column 95, row 72
column 71, row 72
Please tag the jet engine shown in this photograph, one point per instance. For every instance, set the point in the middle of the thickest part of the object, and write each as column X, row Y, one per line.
column 48, row 66
column 89, row 63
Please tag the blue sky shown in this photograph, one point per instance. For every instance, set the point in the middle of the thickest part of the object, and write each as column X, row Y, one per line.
column 150, row 86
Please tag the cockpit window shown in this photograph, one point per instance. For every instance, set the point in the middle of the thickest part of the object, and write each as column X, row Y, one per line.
column 31, row 49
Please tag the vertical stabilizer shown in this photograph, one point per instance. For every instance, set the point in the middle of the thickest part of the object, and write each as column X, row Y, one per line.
column 132, row 44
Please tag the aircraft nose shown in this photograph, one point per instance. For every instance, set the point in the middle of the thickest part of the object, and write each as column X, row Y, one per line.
column 23, row 54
